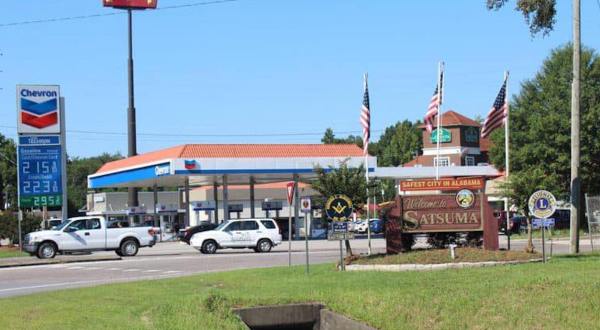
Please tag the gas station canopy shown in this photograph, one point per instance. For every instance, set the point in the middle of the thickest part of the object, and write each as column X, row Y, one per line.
column 207, row 164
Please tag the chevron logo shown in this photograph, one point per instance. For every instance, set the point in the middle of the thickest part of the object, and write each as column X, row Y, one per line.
column 39, row 115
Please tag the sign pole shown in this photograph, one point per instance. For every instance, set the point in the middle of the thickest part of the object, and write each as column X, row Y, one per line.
column 543, row 242
column 289, row 224
column 19, row 220
column 63, row 143
column 306, row 238
column 342, row 266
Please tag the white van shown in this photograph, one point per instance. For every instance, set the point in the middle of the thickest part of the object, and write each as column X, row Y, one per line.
column 258, row 234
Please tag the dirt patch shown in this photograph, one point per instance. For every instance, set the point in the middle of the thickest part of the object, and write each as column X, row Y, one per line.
column 442, row 256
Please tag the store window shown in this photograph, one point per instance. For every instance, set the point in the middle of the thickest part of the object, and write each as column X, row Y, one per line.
column 441, row 162
column 470, row 161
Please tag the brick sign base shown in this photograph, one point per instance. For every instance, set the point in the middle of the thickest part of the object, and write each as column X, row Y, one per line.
column 439, row 214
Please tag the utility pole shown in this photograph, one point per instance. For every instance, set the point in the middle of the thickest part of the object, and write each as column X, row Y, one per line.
column 132, row 199
column 575, row 123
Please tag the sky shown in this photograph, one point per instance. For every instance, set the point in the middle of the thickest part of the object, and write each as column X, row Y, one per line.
column 266, row 71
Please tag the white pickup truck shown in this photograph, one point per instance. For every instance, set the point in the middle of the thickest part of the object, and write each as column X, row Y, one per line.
column 90, row 233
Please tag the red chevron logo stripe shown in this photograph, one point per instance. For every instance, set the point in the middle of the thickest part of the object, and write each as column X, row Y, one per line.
column 41, row 121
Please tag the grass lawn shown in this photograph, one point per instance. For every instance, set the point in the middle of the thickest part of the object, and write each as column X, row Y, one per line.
column 443, row 256
column 565, row 293
column 11, row 253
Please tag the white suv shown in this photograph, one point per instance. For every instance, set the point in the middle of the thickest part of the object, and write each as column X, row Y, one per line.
column 258, row 234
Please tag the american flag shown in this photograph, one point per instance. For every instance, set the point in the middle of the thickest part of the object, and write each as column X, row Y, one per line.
column 365, row 118
column 434, row 105
column 497, row 114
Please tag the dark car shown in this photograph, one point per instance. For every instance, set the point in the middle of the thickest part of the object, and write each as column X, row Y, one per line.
column 516, row 223
column 189, row 232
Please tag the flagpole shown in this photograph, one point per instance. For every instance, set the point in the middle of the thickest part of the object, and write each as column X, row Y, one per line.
column 367, row 179
column 506, row 154
column 439, row 121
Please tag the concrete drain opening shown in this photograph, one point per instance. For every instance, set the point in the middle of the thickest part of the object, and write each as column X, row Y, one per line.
column 297, row 317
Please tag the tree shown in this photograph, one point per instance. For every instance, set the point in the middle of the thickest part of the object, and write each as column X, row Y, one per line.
column 398, row 143
column 329, row 138
column 521, row 185
column 78, row 170
column 539, row 14
column 343, row 180
column 8, row 173
column 540, row 123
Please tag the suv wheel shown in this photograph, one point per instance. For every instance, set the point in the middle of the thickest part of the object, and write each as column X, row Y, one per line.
column 264, row 245
column 209, row 247
column 129, row 248
column 46, row 250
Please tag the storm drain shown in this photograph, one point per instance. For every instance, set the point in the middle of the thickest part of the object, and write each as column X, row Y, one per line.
column 296, row 317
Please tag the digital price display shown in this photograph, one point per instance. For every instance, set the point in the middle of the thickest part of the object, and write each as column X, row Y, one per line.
column 40, row 181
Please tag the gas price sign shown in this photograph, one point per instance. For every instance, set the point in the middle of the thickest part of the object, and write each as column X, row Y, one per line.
column 40, row 181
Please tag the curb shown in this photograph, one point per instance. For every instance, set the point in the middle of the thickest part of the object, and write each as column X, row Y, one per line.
column 429, row 267
column 32, row 261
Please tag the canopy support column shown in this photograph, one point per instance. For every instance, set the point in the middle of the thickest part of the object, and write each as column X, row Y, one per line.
column 216, row 198
column 225, row 199
column 187, row 203
column 252, row 215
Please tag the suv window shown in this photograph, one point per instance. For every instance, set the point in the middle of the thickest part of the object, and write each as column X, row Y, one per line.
column 268, row 224
column 93, row 224
column 249, row 225
column 234, row 226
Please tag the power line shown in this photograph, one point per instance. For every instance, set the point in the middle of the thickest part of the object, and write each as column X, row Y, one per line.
column 81, row 17
column 280, row 134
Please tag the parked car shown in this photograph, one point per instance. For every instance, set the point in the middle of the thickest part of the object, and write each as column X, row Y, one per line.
column 190, row 231
column 88, row 234
column 375, row 224
column 258, row 234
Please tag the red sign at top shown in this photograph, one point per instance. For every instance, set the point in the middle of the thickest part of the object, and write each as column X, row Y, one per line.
column 131, row 4
column 474, row 183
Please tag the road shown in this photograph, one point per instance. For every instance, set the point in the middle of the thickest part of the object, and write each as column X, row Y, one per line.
column 168, row 260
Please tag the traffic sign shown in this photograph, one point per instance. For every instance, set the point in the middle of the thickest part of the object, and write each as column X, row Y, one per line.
column 542, row 204
column 290, row 191
column 305, row 205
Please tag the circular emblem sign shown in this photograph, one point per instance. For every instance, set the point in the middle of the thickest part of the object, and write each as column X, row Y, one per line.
column 339, row 208
column 465, row 198
column 542, row 204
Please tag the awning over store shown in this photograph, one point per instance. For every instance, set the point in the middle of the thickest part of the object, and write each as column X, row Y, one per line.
column 206, row 164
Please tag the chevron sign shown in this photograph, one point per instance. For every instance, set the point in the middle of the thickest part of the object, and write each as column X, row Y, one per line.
column 38, row 109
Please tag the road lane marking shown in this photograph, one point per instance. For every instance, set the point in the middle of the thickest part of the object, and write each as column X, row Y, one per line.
column 132, row 270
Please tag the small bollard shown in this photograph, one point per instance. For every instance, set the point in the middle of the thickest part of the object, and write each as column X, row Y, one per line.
column 452, row 252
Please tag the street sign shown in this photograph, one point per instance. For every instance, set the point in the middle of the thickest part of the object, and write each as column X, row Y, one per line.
column 290, row 191
column 40, row 171
column 305, row 205
column 542, row 204
column 272, row 206
column 537, row 223
column 131, row 4
column 38, row 109
column 339, row 208
column 204, row 205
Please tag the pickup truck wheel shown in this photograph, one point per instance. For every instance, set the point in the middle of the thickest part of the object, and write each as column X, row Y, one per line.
column 129, row 248
column 46, row 250
column 209, row 247
column 264, row 245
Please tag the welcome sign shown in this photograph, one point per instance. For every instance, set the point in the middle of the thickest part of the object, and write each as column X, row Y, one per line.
column 38, row 109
